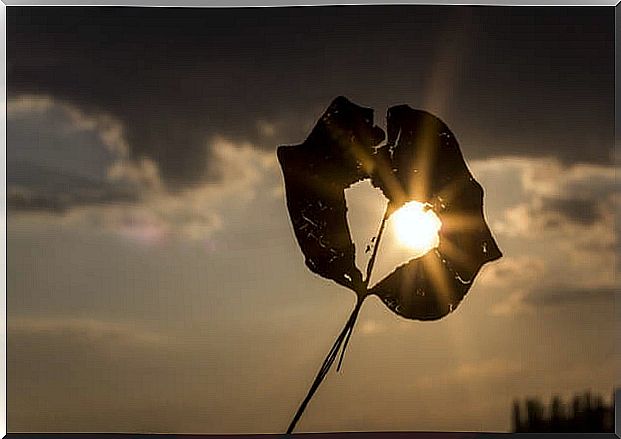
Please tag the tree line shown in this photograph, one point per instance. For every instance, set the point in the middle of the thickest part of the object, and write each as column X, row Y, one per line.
column 584, row 413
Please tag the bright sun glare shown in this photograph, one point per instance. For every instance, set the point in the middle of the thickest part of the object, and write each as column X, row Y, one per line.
column 417, row 226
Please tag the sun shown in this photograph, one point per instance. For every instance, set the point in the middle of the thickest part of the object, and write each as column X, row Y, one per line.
column 417, row 226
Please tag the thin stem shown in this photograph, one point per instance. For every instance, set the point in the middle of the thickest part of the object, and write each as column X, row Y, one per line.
column 345, row 334
column 325, row 367
column 366, row 283
column 375, row 249
column 349, row 332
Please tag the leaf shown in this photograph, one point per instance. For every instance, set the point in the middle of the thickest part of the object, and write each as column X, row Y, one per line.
column 422, row 161
column 336, row 154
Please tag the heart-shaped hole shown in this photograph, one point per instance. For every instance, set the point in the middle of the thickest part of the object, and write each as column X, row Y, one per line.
column 409, row 233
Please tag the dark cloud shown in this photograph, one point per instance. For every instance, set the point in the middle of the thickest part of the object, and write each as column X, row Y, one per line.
column 571, row 296
column 582, row 211
column 527, row 81
column 59, row 159
column 32, row 188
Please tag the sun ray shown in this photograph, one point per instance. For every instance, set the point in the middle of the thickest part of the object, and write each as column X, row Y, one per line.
column 437, row 274
column 420, row 180
column 460, row 222
column 453, row 253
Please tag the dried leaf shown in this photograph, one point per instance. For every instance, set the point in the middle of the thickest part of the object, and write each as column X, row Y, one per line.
column 335, row 155
column 422, row 161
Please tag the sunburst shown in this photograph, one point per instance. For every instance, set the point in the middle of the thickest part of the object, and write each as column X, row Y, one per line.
column 417, row 226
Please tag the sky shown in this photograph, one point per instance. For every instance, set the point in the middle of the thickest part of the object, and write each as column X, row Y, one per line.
column 153, row 279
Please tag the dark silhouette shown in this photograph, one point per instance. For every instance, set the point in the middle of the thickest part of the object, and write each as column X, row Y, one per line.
column 427, row 166
column 586, row 414
column 337, row 153
column 334, row 156
column 421, row 161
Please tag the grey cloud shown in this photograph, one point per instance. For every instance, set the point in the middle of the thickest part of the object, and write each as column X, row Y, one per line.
column 570, row 296
column 581, row 211
column 579, row 196
column 58, row 159
column 176, row 77
column 32, row 187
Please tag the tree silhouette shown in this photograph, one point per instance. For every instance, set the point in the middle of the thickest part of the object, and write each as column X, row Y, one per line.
column 588, row 414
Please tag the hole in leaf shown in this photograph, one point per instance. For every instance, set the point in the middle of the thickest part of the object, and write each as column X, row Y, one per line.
column 410, row 232
column 365, row 209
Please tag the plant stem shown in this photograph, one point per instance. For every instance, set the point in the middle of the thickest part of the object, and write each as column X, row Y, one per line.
column 344, row 336
column 325, row 367
column 366, row 282
column 375, row 249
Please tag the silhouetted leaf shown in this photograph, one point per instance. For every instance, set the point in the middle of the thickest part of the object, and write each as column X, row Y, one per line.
column 334, row 156
column 422, row 162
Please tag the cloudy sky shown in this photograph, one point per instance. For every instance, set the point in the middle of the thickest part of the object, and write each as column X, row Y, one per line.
column 154, row 283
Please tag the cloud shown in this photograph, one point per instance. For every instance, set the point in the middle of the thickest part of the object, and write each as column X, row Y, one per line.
column 558, row 224
column 85, row 330
column 161, row 108
column 76, row 168
column 50, row 140
column 37, row 188
column 192, row 214
column 184, row 76
column 583, row 211
column 507, row 271
column 266, row 129
column 571, row 296
column 515, row 303
column 524, row 285
column 524, row 301
column 572, row 202
column 579, row 181
column 511, row 279
column 28, row 104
